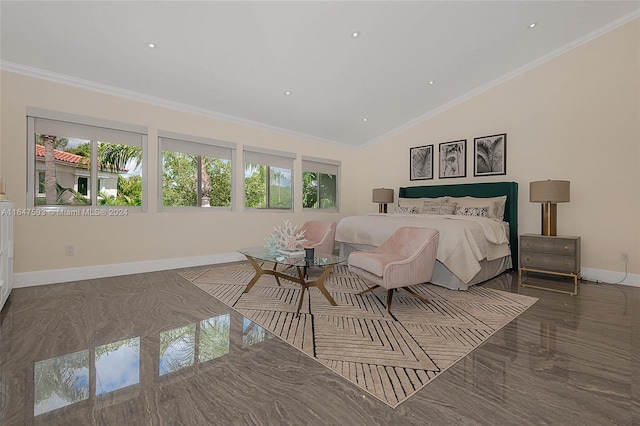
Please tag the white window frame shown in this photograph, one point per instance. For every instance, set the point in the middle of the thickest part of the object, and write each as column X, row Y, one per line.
column 199, row 146
column 325, row 166
column 270, row 158
column 95, row 127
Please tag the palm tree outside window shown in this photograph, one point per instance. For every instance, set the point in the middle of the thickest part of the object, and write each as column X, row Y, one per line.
column 81, row 165
column 195, row 172
column 268, row 179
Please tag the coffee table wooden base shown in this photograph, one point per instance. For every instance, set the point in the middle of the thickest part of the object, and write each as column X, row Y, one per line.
column 300, row 279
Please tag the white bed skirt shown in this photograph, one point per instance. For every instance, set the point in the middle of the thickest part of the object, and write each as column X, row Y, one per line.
column 441, row 275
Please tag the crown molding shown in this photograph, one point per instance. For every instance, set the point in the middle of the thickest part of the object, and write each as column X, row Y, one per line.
column 529, row 66
column 153, row 100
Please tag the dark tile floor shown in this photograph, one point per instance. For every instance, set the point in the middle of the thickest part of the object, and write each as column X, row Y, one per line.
column 152, row 349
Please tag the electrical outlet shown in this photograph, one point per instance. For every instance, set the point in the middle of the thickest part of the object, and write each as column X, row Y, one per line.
column 69, row 250
column 624, row 257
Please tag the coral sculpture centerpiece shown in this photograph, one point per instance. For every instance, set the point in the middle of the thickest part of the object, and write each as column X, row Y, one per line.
column 288, row 237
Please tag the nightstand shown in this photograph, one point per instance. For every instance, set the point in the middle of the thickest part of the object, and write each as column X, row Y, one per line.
column 550, row 255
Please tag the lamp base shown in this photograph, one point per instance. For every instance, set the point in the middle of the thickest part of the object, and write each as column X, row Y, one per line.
column 549, row 219
column 382, row 208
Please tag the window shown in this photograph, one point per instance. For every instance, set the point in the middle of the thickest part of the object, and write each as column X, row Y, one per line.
column 320, row 183
column 195, row 172
column 267, row 179
column 69, row 155
column 83, row 184
column 41, row 188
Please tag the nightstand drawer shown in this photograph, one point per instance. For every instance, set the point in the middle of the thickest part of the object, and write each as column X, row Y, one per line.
column 549, row 245
column 548, row 262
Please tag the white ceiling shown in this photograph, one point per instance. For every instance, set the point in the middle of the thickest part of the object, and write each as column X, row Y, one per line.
column 235, row 60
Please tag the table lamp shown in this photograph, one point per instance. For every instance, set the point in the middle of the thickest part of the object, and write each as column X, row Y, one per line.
column 382, row 196
column 549, row 193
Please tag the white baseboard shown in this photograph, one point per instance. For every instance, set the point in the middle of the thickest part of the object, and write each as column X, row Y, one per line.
column 611, row 277
column 53, row 276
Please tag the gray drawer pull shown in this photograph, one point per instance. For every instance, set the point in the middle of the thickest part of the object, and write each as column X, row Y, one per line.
column 566, row 247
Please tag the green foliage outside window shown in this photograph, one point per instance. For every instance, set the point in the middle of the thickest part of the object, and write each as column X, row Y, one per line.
column 112, row 157
column 255, row 187
column 318, row 190
column 180, row 180
column 83, row 150
column 129, row 193
column 219, row 172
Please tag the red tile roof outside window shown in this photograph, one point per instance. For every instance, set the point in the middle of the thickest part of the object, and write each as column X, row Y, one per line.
column 66, row 157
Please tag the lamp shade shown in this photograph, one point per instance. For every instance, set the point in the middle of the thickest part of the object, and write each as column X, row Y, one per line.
column 549, row 191
column 382, row 195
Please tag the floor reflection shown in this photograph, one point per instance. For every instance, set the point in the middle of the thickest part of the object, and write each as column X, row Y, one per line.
column 177, row 348
column 545, row 358
column 213, row 339
column 90, row 353
column 488, row 375
column 60, row 381
column 117, row 365
column 113, row 371
column 252, row 333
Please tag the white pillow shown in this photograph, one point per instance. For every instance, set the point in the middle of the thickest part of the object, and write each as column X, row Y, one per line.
column 439, row 208
column 418, row 203
column 405, row 210
column 473, row 211
column 495, row 205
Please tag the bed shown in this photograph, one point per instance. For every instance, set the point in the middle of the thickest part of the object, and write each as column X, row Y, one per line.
column 472, row 249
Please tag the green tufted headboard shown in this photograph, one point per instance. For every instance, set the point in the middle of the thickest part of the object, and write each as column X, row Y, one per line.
column 488, row 189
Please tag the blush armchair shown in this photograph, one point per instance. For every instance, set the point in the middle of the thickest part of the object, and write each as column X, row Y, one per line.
column 406, row 258
column 320, row 235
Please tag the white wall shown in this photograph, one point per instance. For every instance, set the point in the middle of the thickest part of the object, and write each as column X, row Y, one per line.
column 575, row 117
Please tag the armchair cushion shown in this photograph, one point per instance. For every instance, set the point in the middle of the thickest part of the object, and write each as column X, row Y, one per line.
column 375, row 262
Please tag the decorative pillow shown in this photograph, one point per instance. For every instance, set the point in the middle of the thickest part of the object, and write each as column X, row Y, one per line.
column 439, row 208
column 473, row 211
column 495, row 205
column 405, row 210
column 418, row 202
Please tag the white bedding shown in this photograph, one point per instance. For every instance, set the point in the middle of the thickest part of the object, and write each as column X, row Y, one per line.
column 464, row 242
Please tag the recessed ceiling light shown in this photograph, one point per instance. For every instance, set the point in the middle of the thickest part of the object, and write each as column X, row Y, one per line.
column 431, row 82
column 287, row 93
column 355, row 34
column 533, row 25
column 364, row 119
column 151, row 45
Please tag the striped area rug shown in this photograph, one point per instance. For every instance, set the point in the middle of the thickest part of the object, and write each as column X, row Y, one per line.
column 390, row 356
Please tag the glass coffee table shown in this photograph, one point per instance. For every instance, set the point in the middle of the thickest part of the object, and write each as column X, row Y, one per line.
column 300, row 263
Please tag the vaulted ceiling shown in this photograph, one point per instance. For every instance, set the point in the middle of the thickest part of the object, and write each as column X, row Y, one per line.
column 298, row 67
